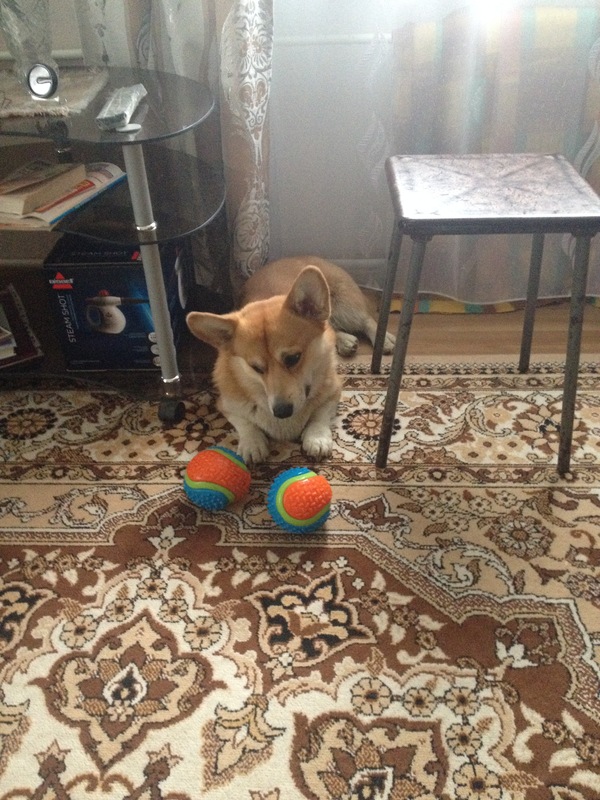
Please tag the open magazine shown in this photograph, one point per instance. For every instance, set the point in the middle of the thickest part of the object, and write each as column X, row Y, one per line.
column 100, row 176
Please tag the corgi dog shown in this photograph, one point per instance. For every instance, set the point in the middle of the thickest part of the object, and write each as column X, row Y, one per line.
column 276, row 366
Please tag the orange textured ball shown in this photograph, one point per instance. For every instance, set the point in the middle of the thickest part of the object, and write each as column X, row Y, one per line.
column 216, row 477
column 307, row 497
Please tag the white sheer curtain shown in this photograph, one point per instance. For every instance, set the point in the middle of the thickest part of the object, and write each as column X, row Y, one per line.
column 354, row 82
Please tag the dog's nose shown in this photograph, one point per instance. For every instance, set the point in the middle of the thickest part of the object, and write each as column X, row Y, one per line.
column 283, row 410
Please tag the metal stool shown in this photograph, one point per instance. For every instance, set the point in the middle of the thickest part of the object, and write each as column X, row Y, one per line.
column 487, row 194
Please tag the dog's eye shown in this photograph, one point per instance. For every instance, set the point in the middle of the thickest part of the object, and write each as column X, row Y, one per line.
column 291, row 360
column 258, row 368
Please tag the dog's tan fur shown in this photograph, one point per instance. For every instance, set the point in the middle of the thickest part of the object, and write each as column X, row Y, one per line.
column 276, row 367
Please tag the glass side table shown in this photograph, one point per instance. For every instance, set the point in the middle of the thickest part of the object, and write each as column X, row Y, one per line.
column 177, row 195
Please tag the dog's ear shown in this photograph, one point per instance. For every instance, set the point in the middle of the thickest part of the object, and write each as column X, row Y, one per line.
column 211, row 328
column 309, row 295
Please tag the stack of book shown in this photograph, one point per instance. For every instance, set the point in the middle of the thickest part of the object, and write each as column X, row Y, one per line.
column 18, row 342
column 40, row 193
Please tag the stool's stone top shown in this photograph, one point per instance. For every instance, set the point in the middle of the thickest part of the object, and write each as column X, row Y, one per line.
column 482, row 193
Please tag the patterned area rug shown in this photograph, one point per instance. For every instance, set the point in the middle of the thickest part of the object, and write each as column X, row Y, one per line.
column 440, row 638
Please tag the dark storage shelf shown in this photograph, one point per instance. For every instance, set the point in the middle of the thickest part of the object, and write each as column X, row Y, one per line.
column 186, row 193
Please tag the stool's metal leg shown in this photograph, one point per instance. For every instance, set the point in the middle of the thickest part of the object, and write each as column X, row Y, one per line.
column 397, row 367
column 580, row 272
column 533, row 286
column 386, row 297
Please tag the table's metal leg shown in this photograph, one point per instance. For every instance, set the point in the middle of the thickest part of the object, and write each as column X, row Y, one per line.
column 533, row 286
column 580, row 273
column 399, row 357
column 171, row 410
column 386, row 297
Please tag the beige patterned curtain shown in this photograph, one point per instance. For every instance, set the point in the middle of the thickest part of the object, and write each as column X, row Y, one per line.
column 228, row 44
column 246, row 41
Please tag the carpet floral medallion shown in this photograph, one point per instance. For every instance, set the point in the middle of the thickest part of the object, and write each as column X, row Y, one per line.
column 439, row 638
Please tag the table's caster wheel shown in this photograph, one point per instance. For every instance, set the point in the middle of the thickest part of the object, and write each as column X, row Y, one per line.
column 171, row 410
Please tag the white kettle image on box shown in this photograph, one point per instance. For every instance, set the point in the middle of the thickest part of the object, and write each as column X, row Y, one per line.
column 103, row 311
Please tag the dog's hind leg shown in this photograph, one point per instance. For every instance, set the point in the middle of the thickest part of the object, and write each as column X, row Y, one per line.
column 370, row 329
column 345, row 343
column 351, row 321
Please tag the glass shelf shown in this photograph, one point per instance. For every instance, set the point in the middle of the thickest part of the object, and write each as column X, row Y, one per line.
column 172, row 106
column 181, row 203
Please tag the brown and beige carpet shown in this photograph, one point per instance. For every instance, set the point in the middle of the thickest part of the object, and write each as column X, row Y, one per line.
column 439, row 639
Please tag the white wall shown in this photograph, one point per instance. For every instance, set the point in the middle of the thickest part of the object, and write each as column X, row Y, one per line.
column 330, row 127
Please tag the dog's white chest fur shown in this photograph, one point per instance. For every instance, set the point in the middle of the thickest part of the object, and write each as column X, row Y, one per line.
column 256, row 427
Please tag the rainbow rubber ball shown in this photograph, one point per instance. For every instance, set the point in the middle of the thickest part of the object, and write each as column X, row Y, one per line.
column 216, row 477
column 299, row 500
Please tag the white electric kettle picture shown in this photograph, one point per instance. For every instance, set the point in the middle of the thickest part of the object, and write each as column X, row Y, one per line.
column 103, row 312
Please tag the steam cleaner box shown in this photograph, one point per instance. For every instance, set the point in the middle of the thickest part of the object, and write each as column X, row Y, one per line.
column 100, row 302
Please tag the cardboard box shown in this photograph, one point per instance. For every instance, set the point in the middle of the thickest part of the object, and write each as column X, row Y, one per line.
column 100, row 302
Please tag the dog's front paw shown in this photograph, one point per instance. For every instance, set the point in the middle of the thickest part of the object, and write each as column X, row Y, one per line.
column 318, row 444
column 253, row 449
